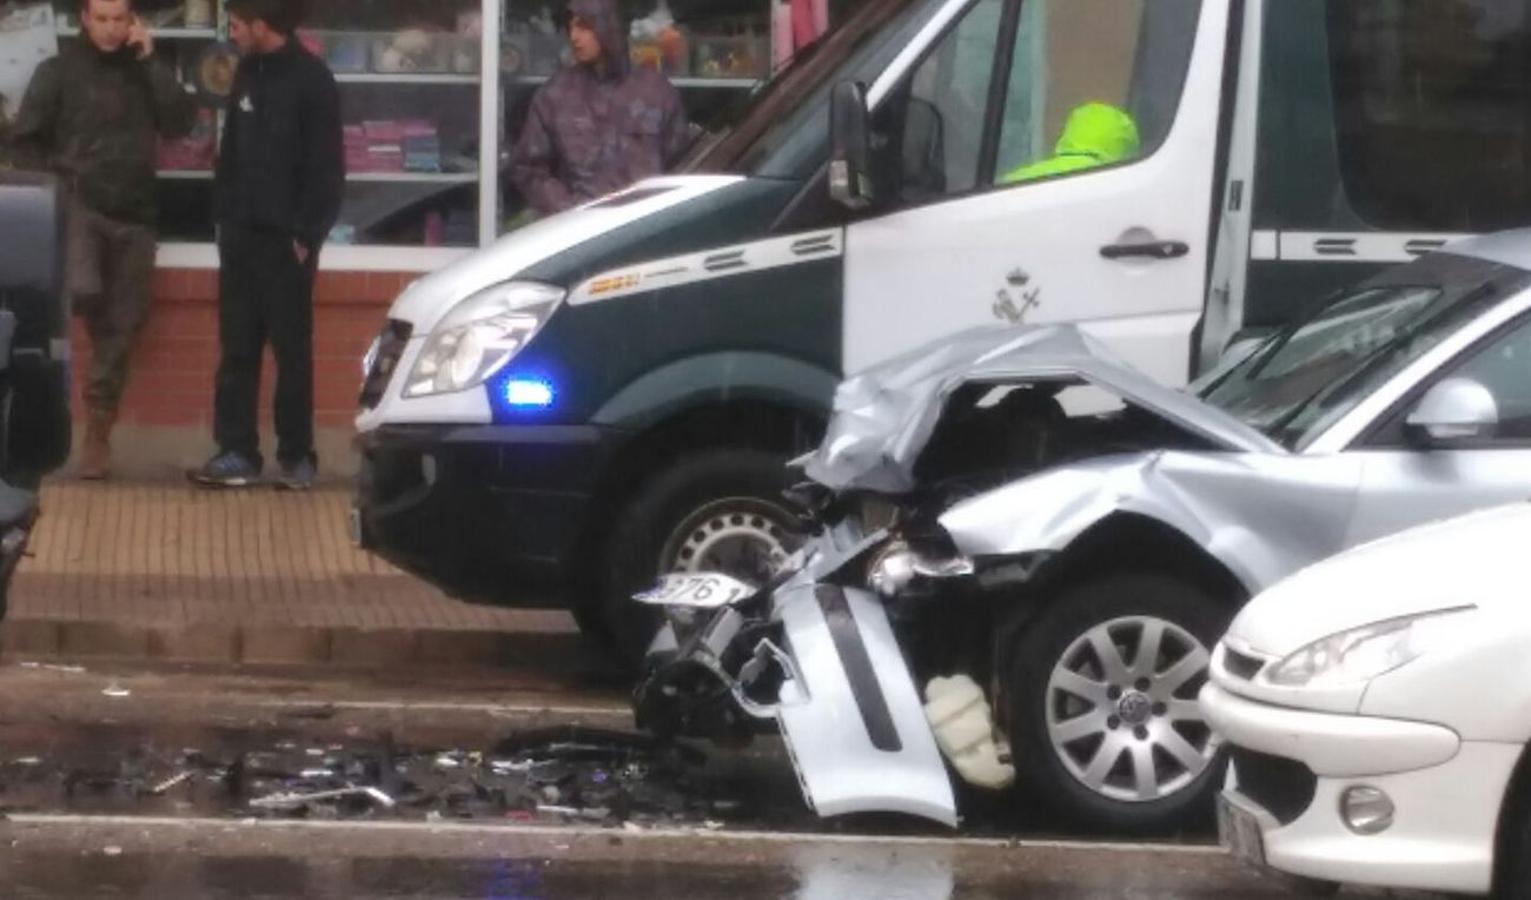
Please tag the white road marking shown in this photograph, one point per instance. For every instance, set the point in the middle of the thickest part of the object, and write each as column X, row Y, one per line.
column 777, row 837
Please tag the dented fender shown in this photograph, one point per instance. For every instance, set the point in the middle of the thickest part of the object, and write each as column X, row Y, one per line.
column 1260, row 516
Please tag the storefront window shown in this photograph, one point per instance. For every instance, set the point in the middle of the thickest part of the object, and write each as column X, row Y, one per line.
column 409, row 73
column 412, row 78
column 714, row 51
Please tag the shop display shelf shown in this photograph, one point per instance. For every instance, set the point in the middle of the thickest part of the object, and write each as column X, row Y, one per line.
column 680, row 81
column 160, row 34
column 414, row 177
column 406, row 78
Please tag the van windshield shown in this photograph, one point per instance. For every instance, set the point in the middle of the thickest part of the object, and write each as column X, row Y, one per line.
column 791, row 110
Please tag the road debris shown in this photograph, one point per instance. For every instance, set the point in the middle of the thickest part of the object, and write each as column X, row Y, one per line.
column 563, row 775
column 297, row 800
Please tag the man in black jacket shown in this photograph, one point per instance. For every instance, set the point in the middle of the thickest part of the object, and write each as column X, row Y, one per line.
column 281, row 174
column 92, row 114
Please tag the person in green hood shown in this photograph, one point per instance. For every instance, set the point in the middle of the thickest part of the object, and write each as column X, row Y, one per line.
column 1096, row 134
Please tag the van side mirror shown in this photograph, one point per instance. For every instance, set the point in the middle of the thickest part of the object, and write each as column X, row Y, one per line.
column 1454, row 410
column 850, row 176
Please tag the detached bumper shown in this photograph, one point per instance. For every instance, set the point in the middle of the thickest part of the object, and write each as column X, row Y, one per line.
column 489, row 514
column 827, row 667
column 1290, row 770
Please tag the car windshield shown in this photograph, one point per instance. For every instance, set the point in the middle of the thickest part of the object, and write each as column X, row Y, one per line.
column 1302, row 380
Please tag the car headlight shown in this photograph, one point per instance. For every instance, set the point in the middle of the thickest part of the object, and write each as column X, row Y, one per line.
column 1361, row 654
column 898, row 565
column 480, row 335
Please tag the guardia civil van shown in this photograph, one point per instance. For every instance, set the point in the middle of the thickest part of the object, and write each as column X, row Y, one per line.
column 613, row 391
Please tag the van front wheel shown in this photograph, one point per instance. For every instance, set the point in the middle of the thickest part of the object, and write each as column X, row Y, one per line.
column 713, row 511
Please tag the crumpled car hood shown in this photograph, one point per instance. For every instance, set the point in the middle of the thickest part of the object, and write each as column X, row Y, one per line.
column 884, row 417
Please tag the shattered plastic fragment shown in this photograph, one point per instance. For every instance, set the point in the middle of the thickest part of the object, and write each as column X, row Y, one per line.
column 169, row 783
column 294, row 799
column 116, row 690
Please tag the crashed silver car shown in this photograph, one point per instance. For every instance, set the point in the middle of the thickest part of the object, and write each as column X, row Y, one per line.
column 1024, row 548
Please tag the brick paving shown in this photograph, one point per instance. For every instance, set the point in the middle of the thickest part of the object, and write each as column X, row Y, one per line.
column 170, row 558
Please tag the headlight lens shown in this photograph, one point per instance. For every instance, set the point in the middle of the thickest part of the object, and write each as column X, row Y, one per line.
column 480, row 335
column 1361, row 654
column 898, row 565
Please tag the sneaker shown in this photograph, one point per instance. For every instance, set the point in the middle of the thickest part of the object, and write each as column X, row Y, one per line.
column 227, row 469
column 298, row 476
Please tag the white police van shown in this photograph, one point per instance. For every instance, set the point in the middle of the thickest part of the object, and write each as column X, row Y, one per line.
column 612, row 391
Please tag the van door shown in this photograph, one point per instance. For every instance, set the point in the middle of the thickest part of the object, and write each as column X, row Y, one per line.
column 1051, row 161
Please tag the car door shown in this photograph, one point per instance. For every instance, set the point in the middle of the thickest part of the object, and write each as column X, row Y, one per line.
column 1404, row 485
column 1054, row 161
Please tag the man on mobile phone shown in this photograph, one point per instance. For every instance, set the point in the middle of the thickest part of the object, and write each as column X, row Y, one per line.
column 92, row 114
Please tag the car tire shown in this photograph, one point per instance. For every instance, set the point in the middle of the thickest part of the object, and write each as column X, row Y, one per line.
column 1512, row 875
column 1129, row 727
column 689, row 516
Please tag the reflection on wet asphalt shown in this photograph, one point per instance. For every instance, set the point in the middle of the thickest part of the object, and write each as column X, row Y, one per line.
column 807, row 873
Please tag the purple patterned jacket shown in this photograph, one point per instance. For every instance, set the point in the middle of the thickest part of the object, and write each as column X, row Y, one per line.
column 591, row 132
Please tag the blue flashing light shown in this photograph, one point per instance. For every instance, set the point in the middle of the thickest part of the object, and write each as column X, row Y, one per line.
column 528, row 393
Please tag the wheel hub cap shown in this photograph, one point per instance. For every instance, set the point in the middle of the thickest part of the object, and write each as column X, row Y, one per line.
column 739, row 538
column 1121, row 709
column 1134, row 708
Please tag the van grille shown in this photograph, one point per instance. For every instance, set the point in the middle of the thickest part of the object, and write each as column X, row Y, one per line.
column 390, row 347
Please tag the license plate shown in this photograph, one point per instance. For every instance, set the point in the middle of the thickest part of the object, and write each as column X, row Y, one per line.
column 1239, row 831
column 698, row 591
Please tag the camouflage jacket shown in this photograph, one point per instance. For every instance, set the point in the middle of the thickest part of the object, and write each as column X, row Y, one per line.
column 589, row 133
column 94, row 117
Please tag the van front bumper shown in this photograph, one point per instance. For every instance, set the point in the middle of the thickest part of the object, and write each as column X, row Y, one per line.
column 487, row 513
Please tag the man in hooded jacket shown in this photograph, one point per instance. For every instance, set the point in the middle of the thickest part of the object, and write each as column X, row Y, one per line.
column 599, row 125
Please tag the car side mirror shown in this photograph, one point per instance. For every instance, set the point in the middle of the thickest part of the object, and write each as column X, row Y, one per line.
column 850, row 175
column 1454, row 410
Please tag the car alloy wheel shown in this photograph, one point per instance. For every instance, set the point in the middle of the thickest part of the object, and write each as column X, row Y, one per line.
column 1121, row 708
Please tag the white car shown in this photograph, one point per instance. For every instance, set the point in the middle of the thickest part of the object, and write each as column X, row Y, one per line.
column 1378, row 706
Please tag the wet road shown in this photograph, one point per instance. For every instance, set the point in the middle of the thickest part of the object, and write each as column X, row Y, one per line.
column 158, row 783
column 58, row 859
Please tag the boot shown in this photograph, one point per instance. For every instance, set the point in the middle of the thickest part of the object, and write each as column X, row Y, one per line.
column 96, row 455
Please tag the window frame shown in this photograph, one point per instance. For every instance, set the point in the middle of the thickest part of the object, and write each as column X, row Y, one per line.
column 999, row 89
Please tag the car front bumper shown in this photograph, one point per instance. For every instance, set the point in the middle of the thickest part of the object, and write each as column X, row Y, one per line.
column 1291, row 768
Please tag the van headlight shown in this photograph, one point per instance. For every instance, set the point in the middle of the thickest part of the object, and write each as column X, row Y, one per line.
column 1361, row 654
column 480, row 335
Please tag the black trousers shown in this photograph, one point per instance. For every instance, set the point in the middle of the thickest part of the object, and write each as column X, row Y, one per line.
column 264, row 296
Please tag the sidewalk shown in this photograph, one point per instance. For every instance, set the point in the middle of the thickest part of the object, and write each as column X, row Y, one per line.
column 164, row 571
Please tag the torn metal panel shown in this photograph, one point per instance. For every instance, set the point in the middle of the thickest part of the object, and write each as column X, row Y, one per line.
column 885, row 416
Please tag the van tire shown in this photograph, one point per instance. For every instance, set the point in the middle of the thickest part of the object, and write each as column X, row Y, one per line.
column 708, row 486
column 1132, row 715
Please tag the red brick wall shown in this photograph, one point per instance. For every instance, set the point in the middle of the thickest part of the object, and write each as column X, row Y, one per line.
column 172, row 378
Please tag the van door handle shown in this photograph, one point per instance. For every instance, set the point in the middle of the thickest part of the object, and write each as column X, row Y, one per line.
column 1149, row 250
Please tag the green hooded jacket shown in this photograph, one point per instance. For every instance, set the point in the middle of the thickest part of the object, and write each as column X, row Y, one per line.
column 1096, row 134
